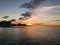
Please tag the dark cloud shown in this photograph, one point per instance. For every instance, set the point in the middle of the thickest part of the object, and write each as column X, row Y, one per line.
column 5, row 16
column 25, row 16
column 57, row 20
column 13, row 19
column 32, row 4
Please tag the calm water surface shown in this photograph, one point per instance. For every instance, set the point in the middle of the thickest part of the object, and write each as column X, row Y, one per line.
column 30, row 35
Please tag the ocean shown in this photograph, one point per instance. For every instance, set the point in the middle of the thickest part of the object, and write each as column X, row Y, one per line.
column 30, row 35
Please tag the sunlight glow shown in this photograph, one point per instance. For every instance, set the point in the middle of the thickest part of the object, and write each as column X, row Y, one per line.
column 29, row 24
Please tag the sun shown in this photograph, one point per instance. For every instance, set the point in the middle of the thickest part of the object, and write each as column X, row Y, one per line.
column 29, row 24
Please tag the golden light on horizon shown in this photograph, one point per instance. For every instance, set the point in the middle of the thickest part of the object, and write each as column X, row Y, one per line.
column 31, row 21
column 29, row 24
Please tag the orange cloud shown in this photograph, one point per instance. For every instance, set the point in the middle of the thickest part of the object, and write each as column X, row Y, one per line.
column 44, row 9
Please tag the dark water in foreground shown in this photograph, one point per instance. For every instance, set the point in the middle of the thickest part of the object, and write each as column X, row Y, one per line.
column 30, row 35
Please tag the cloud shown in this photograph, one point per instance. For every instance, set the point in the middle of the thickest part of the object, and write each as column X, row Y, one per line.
column 58, row 11
column 39, row 11
column 32, row 4
column 44, row 9
column 57, row 20
column 5, row 16
column 26, row 15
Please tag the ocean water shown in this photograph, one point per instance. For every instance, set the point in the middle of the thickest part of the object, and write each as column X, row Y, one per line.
column 30, row 35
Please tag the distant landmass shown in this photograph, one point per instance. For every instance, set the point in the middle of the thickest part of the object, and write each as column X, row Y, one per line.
column 8, row 24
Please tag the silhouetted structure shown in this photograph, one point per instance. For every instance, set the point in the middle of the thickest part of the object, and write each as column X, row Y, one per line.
column 8, row 24
column 5, row 24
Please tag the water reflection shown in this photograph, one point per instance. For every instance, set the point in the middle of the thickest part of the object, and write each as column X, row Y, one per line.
column 30, row 35
column 28, row 32
column 17, row 36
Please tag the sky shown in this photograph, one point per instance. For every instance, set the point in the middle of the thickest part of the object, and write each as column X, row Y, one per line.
column 47, row 13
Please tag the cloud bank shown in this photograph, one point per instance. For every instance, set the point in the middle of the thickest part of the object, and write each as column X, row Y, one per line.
column 30, row 5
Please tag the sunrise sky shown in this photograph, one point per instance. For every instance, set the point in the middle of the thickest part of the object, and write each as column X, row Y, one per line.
column 47, row 13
